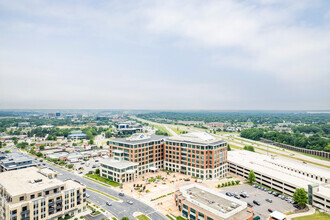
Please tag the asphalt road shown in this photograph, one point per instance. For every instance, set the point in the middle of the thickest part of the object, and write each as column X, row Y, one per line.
column 118, row 209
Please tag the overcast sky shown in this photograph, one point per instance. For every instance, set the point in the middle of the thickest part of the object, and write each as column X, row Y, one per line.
column 183, row 54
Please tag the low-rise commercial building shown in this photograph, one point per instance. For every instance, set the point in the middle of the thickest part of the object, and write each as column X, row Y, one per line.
column 15, row 161
column 198, row 202
column 36, row 194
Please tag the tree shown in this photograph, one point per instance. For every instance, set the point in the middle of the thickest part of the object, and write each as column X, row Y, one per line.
column 252, row 177
column 228, row 147
column 124, row 218
column 97, row 171
column 249, row 148
column 91, row 141
column 70, row 166
column 300, row 196
column 42, row 147
column 15, row 139
column 39, row 154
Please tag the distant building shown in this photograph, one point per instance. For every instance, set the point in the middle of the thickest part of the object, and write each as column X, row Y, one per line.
column 36, row 194
column 23, row 124
column 58, row 114
column 198, row 202
column 15, row 161
column 77, row 136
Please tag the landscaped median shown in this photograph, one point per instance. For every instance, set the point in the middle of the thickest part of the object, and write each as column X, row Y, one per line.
column 103, row 181
column 107, row 195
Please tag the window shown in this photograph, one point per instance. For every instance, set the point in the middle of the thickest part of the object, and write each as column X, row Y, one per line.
column 39, row 194
column 32, row 196
column 47, row 192
column 21, row 198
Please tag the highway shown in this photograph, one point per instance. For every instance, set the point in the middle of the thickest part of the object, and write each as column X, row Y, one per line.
column 118, row 209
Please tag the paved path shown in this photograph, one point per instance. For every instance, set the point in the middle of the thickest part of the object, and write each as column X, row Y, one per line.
column 311, row 211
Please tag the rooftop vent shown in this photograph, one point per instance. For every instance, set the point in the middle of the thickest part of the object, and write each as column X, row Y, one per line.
column 38, row 180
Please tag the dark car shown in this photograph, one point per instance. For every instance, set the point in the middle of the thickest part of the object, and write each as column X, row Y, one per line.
column 121, row 194
column 275, row 194
column 256, row 202
column 270, row 210
column 297, row 207
column 243, row 195
column 187, row 179
column 269, row 200
column 237, row 197
column 249, row 204
column 229, row 194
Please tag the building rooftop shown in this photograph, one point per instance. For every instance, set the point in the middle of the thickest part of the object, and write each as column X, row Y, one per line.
column 138, row 139
column 260, row 163
column 197, row 137
column 212, row 201
column 23, row 181
column 77, row 135
column 119, row 164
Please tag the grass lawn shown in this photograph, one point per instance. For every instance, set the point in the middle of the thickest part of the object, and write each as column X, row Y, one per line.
column 102, row 179
column 142, row 217
column 317, row 216
column 162, row 129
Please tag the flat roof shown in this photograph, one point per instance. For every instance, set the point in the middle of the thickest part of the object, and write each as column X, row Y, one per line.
column 119, row 164
column 260, row 163
column 18, row 182
column 139, row 141
column 197, row 137
column 212, row 201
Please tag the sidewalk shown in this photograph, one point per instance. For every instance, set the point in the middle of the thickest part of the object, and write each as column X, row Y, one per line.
column 311, row 211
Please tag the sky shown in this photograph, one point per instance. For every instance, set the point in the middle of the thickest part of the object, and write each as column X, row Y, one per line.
column 171, row 55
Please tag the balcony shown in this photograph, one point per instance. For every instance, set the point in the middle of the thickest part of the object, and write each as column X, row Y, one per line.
column 59, row 201
column 78, row 194
column 51, row 210
column 51, row 203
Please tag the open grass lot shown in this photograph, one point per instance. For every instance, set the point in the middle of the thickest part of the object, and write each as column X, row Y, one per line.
column 142, row 217
column 103, row 180
column 317, row 216
column 161, row 128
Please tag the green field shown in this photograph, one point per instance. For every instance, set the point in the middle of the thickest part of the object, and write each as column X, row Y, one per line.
column 317, row 216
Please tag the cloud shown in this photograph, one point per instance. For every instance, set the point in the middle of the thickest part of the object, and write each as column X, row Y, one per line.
column 165, row 54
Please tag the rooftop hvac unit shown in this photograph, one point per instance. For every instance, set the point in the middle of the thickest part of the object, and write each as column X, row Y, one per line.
column 31, row 181
column 229, row 209
column 222, row 210
column 38, row 180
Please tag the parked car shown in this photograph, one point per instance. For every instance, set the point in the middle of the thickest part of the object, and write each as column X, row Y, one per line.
column 237, row 197
column 249, row 204
column 270, row 192
column 130, row 202
column 269, row 200
column 243, row 195
column 109, row 203
column 121, row 194
column 186, row 179
column 256, row 202
column 87, row 195
column 255, row 186
column 229, row 194
column 270, row 210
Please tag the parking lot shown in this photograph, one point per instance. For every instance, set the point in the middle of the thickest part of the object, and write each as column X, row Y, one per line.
column 260, row 196
column 91, row 165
